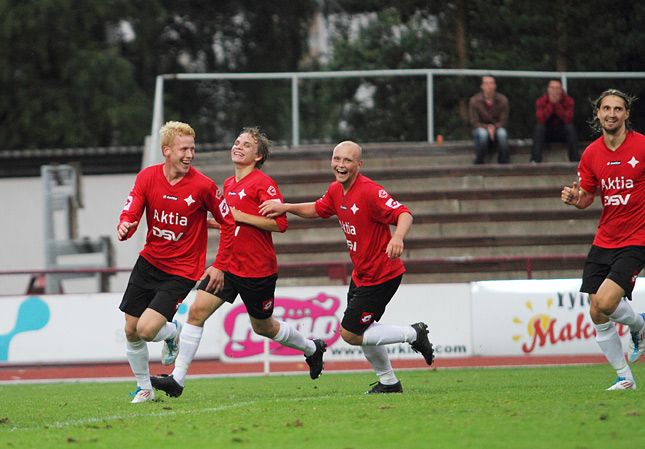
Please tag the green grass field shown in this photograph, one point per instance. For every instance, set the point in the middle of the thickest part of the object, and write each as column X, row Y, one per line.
column 519, row 408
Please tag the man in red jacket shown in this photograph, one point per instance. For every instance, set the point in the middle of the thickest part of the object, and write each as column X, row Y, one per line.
column 554, row 113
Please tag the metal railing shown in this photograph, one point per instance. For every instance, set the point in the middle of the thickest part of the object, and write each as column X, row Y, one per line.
column 153, row 156
column 340, row 271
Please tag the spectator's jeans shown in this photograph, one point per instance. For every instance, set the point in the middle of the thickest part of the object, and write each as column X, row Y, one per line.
column 483, row 143
column 544, row 134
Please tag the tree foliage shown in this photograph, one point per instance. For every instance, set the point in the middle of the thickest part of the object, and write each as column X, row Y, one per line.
column 83, row 74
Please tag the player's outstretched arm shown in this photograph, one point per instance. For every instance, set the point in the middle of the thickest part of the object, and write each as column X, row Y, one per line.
column 261, row 222
column 273, row 209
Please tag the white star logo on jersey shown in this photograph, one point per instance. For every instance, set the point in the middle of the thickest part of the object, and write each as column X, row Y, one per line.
column 189, row 200
column 633, row 162
column 354, row 208
column 242, row 194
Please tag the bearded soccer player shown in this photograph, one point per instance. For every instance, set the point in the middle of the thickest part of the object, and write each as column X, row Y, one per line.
column 365, row 211
column 253, row 270
column 176, row 198
column 616, row 163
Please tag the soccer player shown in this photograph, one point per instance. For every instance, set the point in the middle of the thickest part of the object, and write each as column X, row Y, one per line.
column 176, row 198
column 616, row 163
column 253, row 270
column 365, row 212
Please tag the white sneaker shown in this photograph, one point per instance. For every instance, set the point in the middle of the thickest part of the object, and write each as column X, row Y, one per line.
column 636, row 345
column 142, row 396
column 171, row 347
column 623, row 384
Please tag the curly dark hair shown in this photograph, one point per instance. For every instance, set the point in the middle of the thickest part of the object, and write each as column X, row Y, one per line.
column 595, row 104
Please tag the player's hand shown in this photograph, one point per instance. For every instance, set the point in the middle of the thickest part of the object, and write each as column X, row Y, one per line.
column 272, row 209
column 216, row 281
column 394, row 248
column 124, row 228
column 570, row 195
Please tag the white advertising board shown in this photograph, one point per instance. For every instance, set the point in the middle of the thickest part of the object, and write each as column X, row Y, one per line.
column 536, row 317
column 89, row 327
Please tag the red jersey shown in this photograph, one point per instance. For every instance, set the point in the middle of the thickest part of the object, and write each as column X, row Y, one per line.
column 620, row 175
column 176, row 216
column 253, row 252
column 365, row 214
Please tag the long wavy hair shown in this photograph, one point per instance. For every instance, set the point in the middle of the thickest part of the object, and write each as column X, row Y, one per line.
column 627, row 99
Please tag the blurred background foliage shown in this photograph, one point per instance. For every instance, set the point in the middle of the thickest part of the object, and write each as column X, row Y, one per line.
column 83, row 74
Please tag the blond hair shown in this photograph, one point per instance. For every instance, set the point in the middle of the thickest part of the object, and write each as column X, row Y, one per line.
column 170, row 130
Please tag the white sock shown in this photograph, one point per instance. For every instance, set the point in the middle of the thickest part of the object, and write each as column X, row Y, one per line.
column 190, row 338
column 137, row 354
column 290, row 337
column 378, row 358
column 382, row 334
column 625, row 314
column 610, row 344
column 168, row 331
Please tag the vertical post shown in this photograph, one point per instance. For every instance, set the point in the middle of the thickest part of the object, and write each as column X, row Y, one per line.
column 152, row 152
column 430, row 105
column 563, row 80
column 267, row 353
column 529, row 269
column 295, row 111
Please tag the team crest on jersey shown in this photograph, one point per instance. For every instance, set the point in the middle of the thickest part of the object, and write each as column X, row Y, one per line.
column 271, row 191
column 128, row 203
column 189, row 200
column 382, row 193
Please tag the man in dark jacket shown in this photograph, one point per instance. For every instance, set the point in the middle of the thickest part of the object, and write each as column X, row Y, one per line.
column 554, row 113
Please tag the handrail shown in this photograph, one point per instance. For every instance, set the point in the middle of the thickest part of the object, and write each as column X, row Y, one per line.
column 341, row 270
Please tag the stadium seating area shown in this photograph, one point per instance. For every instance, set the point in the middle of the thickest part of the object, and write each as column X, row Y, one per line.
column 470, row 222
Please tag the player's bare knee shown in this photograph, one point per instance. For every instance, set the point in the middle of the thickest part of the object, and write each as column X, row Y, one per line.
column 351, row 338
column 197, row 315
column 147, row 333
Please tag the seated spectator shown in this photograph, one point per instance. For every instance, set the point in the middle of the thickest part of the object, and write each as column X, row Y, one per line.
column 488, row 114
column 554, row 113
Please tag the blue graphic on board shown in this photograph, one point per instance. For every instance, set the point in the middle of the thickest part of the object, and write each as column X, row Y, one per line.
column 33, row 315
column 183, row 309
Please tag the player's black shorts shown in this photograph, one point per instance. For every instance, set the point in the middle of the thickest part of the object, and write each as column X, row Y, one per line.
column 621, row 265
column 149, row 287
column 366, row 304
column 257, row 293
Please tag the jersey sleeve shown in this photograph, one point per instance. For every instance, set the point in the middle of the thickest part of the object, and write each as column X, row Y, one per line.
column 269, row 192
column 586, row 177
column 325, row 205
column 134, row 205
column 384, row 207
column 217, row 206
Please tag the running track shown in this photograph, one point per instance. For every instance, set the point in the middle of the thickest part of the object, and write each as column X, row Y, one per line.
column 213, row 368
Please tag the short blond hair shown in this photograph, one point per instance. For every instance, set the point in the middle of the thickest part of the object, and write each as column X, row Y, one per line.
column 170, row 130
